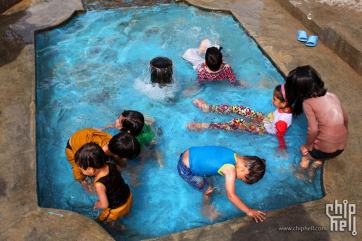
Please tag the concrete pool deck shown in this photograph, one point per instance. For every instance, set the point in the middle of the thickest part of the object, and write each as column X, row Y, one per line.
column 274, row 28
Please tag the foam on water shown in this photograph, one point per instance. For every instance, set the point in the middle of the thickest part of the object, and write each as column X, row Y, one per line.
column 90, row 70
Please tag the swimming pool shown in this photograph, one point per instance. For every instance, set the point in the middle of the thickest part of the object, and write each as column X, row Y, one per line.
column 90, row 70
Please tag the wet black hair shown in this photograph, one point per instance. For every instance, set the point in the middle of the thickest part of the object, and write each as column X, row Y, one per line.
column 125, row 145
column 256, row 167
column 133, row 122
column 303, row 83
column 90, row 155
column 279, row 94
column 213, row 58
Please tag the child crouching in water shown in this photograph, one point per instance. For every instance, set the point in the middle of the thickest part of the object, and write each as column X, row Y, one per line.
column 140, row 126
column 275, row 122
column 114, row 195
column 197, row 162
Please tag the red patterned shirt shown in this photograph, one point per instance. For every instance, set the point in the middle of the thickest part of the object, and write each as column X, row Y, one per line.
column 226, row 72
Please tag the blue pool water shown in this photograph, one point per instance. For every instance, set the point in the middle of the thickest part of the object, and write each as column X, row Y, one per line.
column 93, row 68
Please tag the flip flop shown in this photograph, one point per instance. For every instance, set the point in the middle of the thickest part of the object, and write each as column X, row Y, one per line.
column 312, row 41
column 302, row 36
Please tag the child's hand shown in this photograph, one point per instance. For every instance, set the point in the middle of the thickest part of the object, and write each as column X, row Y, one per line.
column 240, row 84
column 257, row 215
column 87, row 186
column 96, row 205
column 303, row 150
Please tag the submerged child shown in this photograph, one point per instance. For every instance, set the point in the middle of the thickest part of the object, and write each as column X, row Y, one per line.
column 327, row 120
column 197, row 162
column 211, row 67
column 121, row 147
column 275, row 123
column 115, row 196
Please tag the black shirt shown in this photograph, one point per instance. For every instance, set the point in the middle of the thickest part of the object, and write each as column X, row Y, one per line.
column 117, row 190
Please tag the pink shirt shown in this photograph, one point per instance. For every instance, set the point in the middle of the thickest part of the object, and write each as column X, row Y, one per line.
column 327, row 123
column 225, row 72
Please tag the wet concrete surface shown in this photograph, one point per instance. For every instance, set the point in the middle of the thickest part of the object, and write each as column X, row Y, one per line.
column 275, row 30
column 6, row 4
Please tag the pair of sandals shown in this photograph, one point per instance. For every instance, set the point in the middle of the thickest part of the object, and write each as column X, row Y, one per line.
column 311, row 41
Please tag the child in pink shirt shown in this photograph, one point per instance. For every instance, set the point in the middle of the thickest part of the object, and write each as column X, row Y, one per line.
column 212, row 68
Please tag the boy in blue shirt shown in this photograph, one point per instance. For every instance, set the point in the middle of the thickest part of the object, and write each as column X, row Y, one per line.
column 197, row 162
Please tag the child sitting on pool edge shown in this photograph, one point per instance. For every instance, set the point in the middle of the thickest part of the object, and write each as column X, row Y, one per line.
column 211, row 67
column 197, row 162
column 115, row 196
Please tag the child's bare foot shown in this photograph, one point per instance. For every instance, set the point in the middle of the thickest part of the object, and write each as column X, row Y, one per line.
column 201, row 104
column 300, row 173
column 210, row 190
column 203, row 45
column 312, row 172
column 197, row 126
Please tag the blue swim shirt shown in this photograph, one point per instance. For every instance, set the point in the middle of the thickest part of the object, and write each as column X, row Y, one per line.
column 210, row 160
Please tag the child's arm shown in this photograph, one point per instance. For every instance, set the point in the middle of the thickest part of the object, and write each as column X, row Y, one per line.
column 149, row 120
column 312, row 126
column 231, row 76
column 230, row 176
column 102, row 203
column 281, row 129
column 345, row 117
column 119, row 169
column 105, row 127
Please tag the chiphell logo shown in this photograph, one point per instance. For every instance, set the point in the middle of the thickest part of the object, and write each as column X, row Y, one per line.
column 342, row 216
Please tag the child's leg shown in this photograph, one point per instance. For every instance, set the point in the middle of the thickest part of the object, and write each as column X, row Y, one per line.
column 240, row 124
column 303, row 165
column 197, row 126
column 193, row 56
column 201, row 104
column 197, row 182
column 312, row 169
column 237, row 109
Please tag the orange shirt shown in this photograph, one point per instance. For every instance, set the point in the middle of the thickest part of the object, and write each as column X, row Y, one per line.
column 77, row 140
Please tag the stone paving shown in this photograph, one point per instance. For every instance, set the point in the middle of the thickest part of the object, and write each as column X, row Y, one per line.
column 274, row 25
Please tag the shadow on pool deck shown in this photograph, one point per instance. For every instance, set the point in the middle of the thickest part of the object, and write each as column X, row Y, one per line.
column 275, row 30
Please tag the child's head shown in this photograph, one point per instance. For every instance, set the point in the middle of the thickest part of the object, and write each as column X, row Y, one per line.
column 124, row 145
column 279, row 97
column 131, row 121
column 213, row 58
column 255, row 169
column 90, row 157
column 303, row 83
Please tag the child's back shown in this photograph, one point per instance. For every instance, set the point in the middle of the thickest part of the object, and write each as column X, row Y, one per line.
column 117, row 190
column 326, row 122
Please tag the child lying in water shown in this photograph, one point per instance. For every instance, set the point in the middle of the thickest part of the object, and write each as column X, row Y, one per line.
column 275, row 123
